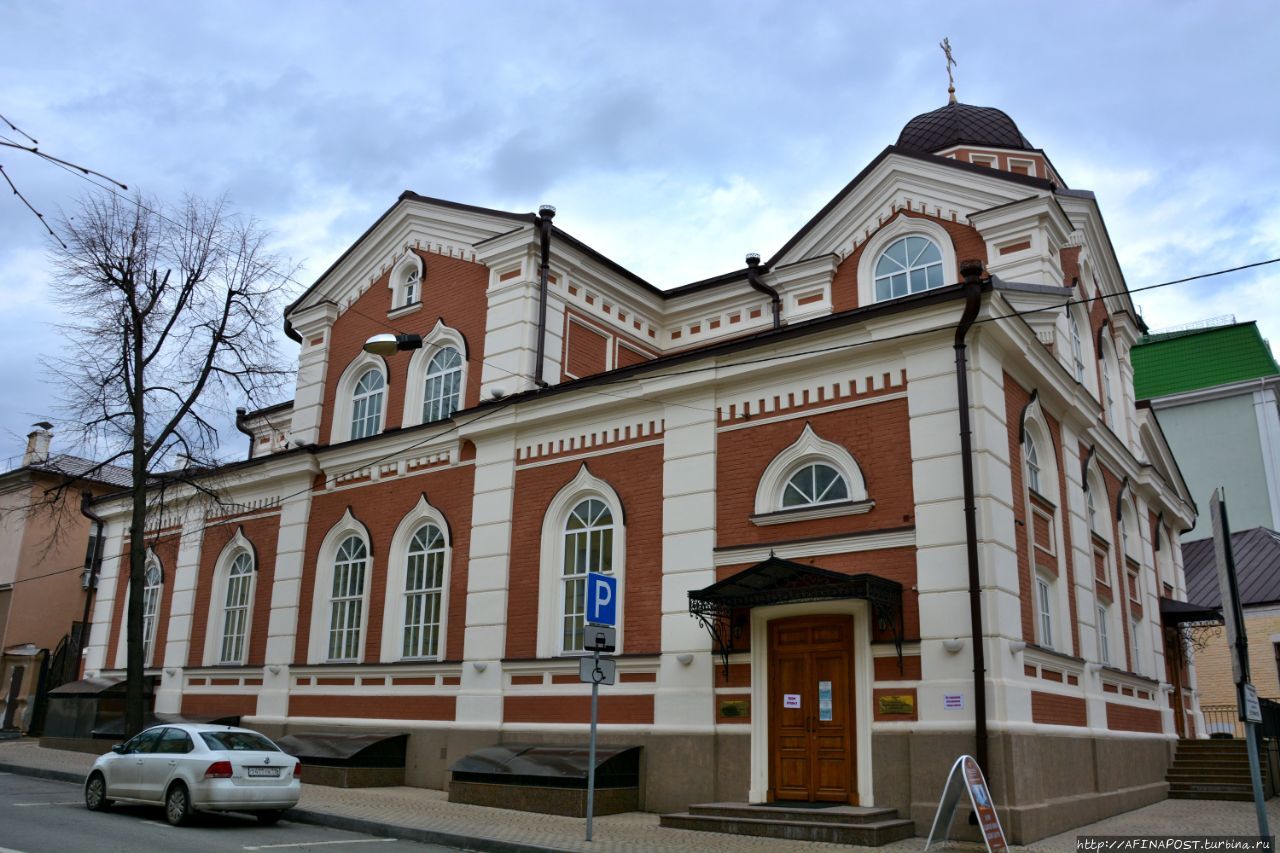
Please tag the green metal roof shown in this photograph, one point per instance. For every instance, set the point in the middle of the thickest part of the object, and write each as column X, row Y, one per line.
column 1175, row 362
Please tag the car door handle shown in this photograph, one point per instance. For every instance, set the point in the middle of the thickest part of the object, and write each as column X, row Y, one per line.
column 173, row 763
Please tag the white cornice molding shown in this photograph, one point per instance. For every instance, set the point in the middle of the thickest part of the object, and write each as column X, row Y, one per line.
column 734, row 555
column 1217, row 392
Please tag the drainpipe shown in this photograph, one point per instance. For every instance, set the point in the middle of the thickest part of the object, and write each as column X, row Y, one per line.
column 753, row 278
column 95, row 562
column 972, row 273
column 241, row 412
column 545, row 214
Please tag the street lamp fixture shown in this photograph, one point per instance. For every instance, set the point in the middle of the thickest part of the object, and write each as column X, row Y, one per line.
column 388, row 344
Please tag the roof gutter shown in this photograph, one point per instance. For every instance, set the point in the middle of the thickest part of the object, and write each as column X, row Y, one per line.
column 241, row 414
column 972, row 273
column 753, row 278
column 545, row 214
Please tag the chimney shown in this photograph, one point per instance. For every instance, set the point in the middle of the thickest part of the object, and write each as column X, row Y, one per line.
column 38, row 444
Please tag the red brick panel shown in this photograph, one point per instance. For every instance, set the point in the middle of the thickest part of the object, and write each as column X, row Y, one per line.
column 576, row 709
column 739, row 675
column 374, row 707
column 887, row 669
column 219, row 705
column 263, row 534
column 1055, row 709
column 585, row 350
column 165, row 545
column 381, row 507
column 1127, row 718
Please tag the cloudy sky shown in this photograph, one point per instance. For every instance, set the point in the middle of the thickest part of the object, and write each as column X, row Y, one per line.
column 672, row 136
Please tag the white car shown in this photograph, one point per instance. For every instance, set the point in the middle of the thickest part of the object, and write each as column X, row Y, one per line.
column 195, row 768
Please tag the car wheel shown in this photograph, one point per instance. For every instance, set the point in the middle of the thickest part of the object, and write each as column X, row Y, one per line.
column 269, row 818
column 95, row 793
column 177, row 805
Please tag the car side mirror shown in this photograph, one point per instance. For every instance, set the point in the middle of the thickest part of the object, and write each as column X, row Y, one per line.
column 118, row 749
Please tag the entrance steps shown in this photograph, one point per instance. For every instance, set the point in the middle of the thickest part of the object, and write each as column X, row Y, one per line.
column 869, row 827
column 1213, row 769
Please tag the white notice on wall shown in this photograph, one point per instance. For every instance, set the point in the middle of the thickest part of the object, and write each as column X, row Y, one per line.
column 791, row 700
column 953, row 701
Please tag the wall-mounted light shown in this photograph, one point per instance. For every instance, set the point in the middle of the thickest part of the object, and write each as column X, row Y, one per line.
column 170, row 671
column 274, row 670
column 954, row 645
column 388, row 344
column 685, row 659
column 1017, row 646
column 480, row 666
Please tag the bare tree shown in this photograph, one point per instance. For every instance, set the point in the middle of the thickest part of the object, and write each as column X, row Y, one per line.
column 170, row 321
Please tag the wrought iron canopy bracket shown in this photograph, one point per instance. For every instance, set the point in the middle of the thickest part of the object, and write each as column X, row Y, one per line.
column 718, row 622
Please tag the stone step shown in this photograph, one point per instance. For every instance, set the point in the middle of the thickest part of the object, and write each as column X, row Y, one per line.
column 1210, row 791
column 1223, row 744
column 1217, row 775
column 1197, row 795
column 848, row 815
column 1210, row 766
column 872, row 834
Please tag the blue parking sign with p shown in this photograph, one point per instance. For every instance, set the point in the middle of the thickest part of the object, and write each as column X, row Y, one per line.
column 602, row 599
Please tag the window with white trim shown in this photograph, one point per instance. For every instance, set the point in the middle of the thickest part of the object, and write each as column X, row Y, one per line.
column 1104, row 635
column 366, row 404
column 423, row 592
column 1108, row 399
column 1044, row 612
column 443, row 383
column 1135, row 630
column 235, row 611
column 1077, row 346
column 405, row 281
column 909, row 265
column 1032, row 463
column 409, row 288
column 588, row 547
column 346, row 601
column 814, row 484
column 153, row 585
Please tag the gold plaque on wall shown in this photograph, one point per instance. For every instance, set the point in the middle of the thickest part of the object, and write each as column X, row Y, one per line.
column 735, row 708
column 904, row 704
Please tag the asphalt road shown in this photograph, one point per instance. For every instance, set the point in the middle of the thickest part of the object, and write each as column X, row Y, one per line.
column 38, row 815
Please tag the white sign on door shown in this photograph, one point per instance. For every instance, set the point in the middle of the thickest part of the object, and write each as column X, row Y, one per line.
column 791, row 700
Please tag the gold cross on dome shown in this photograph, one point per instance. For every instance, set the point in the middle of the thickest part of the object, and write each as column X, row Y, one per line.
column 945, row 44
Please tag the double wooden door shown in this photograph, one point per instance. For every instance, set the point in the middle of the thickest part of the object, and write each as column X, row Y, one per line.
column 811, row 716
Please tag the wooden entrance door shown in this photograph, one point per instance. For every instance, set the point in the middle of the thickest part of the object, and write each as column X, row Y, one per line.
column 811, row 718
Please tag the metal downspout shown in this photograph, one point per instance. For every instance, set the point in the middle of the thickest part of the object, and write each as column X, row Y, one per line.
column 95, row 562
column 753, row 278
column 972, row 273
column 545, row 214
column 241, row 413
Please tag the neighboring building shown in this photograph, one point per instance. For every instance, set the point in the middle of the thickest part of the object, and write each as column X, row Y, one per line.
column 1215, row 392
column 45, row 560
column 777, row 448
column 1257, row 560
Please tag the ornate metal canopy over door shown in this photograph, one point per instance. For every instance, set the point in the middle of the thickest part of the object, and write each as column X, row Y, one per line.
column 779, row 581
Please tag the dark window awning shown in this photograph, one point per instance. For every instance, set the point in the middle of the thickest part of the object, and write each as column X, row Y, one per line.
column 779, row 581
column 1174, row 613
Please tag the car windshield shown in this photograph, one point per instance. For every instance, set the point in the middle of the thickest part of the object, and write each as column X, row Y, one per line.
column 238, row 741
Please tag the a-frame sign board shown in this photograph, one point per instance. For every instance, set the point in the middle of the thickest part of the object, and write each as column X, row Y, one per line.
column 966, row 775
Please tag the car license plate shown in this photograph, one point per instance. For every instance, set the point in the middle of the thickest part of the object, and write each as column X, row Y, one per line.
column 263, row 771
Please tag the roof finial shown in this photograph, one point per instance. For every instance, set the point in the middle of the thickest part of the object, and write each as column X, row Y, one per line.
column 945, row 44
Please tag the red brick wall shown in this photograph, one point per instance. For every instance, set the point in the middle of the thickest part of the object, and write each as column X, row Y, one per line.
column 453, row 290
column 212, row 705
column 1055, row 709
column 381, row 507
column 636, row 475
column 743, row 455
column 967, row 241
column 165, row 544
column 374, row 707
column 577, row 709
column 263, row 533
column 585, row 350
column 1126, row 718
column 1016, row 399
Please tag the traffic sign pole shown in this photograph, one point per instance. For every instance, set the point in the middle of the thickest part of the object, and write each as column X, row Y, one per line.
column 591, row 749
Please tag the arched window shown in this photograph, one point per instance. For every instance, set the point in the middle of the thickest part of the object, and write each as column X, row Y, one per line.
column 154, row 582
column 366, row 404
column 1091, row 508
column 409, row 289
column 1104, row 634
column 423, row 590
column 235, row 620
column 1077, row 346
column 909, row 265
column 588, row 547
column 444, row 379
column 815, row 483
column 405, row 281
column 1108, row 398
column 346, row 601
column 1032, row 462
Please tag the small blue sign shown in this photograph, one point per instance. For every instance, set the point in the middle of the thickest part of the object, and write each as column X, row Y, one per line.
column 602, row 599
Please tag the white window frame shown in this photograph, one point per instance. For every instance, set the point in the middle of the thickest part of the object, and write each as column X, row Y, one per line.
column 808, row 448
column 1106, row 360
column 1031, row 463
column 409, row 269
column 122, row 651
column 340, row 428
column 584, row 485
column 1136, row 648
column 394, row 609
column 900, row 226
column 152, row 595
column 440, row 337
column 318, row 645
column 1103, row 616
column 216, row 623
column 1045, row 599
column 1077, row 345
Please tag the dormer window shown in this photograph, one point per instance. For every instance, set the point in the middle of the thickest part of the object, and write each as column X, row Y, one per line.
column 409, row 290
column 910, row 265
column 406, row 281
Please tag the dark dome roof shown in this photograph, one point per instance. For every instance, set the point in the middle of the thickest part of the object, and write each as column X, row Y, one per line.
column 957, row 124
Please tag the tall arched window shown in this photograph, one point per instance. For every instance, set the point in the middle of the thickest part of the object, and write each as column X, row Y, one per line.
column 423, row 589
column 1033, row 464
column 444, row 379
column 150, row 607
column 813, row 484
column 1077, row 346
column 588, row 547
column 235, row 621
column 909, row 265
column 1108, row 399
column 346, row 602
column 366, row 404
column 409, row 288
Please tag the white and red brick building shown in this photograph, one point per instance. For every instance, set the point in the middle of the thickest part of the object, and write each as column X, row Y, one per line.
column 415, row 525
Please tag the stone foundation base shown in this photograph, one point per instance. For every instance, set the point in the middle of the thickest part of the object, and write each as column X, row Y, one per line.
column 570, row 802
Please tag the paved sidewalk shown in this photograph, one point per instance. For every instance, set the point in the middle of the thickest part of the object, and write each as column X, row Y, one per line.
column 420, row 814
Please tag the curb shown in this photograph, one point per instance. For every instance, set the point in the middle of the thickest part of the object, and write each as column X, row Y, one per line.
column 350, row 824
